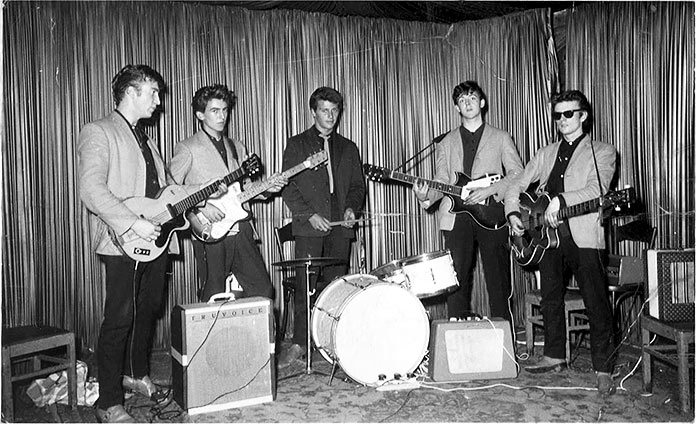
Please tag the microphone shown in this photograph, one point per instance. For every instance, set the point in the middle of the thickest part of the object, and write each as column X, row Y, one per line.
column 436, row 140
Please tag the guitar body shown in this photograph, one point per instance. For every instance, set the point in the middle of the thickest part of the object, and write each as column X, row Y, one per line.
column 158, row 211
column 538, row 237
column 490, row 215
column 229, row 204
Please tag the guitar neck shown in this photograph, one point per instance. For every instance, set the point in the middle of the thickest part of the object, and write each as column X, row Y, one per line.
column 202, row 194
column 435, row 185
column 579, row 209
column 260, row 187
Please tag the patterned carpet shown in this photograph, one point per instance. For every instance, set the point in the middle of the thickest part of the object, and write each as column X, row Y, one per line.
column 567, row 396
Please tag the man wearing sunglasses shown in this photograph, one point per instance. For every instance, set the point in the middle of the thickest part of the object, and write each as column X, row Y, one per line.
column 571, row 171
column 474, row 149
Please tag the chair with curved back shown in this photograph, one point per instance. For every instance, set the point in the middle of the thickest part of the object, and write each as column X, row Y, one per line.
column 288, row 279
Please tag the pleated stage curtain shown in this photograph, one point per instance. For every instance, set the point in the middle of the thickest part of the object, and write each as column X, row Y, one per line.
column 635, row 62
column 396, row 78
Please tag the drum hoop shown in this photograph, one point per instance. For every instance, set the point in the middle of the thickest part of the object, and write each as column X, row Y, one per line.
column 425, row 257
column 396, row 263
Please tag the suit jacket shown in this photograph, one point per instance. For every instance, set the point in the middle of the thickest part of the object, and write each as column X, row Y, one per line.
column 112, row 169
column 197, row 161
column 307, row 193
column 580, row 184
column 496, row 154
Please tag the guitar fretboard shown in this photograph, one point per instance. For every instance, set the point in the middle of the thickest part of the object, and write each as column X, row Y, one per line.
column 202, row 194
column 579, row 209
column 435, row 185
column 259, row 188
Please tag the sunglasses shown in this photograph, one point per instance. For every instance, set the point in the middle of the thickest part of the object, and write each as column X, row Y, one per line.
column 568, row 114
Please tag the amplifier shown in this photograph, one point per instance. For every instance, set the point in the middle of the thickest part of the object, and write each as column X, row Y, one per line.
column 471, row 350
column 670, row 285
column 223, row 354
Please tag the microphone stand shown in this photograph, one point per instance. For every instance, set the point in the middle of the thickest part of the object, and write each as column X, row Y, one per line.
column 435, row 141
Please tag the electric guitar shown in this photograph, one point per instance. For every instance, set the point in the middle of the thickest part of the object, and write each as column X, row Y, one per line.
column 231, row 204
column 168, row 210
column 489, row 215
column 529, row 248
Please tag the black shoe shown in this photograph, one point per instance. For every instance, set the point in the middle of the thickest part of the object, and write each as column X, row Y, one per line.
column 546, row 364
column 605, row 384
column 114, row 414
column 289, row 355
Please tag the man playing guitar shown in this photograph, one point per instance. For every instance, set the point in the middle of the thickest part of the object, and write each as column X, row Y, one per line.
column 207, row 155
column 474, row 149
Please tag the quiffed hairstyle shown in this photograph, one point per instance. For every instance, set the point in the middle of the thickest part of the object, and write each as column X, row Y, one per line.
column 209, row 92
column 470, row 87
column 583, row 103
column 328, row 94
column 134, row 76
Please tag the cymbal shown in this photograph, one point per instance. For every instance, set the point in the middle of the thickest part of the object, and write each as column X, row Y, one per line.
column 319, row 261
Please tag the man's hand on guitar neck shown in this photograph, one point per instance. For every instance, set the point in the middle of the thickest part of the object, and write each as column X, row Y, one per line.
column 146, row 229
column 278, row 181
column 420, row 189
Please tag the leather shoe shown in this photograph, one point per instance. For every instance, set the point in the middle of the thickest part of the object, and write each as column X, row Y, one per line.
column 144, row 385
column 114, row 414
column 289, row 355
column 546, row 364
column 605, row 384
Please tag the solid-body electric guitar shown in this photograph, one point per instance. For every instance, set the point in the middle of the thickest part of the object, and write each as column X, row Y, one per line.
column 489, row 215
column 529, row 248
column 168, row 210
column 231, row 204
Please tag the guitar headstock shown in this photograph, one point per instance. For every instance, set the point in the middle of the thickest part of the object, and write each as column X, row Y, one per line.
column 620, row 198
column 316, row 159
column 376, row 173
column 252, row 166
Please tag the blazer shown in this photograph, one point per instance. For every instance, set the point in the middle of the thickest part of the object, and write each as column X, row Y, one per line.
column 496, row 154
column 580, row 184
column 111, row 169
column 307, row 193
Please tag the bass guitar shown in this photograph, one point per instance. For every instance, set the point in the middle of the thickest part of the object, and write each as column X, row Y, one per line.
column 489, row 215
column 231, row 204
column 538, row 237
column 168, row 210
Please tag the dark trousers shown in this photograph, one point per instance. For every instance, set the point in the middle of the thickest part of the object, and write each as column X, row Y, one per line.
column 237, row 254
column 588, row 269
column 133, row 301
column 331, row 245
column 462, row 242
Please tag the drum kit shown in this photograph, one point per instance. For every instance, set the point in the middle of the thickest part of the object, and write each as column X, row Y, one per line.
column 374, row 326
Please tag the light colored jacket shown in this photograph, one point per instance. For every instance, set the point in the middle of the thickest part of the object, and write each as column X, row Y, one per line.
column 111, row 169
column 580, row 185
column 496, row 154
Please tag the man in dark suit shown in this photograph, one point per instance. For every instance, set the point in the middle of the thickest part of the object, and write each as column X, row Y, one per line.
column 475, row 148
column 117, row 160
column 208, row 155
column 319, row 200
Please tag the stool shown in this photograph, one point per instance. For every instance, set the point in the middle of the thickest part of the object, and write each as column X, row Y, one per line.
column 575, row 319
column 676, row 353
column 20, row 344
column 288, row 299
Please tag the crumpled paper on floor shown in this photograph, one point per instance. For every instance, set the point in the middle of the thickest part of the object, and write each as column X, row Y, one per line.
column 54, row 389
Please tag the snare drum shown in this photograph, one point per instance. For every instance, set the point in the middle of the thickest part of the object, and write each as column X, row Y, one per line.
column 425, row 275
column 370, row 328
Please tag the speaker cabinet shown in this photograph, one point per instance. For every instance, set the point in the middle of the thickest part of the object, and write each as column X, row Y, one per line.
column 471, row 350
column 223, row 354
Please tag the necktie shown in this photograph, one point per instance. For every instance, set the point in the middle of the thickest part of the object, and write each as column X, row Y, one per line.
column 328, row 162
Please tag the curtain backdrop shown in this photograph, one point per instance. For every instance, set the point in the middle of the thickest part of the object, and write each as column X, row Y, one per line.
column 635, row 61
column 396, row 78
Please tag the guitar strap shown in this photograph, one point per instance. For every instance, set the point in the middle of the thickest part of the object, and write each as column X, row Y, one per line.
column 599, row 180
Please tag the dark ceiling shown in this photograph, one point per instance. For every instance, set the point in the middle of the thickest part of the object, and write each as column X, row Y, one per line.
column 445, row 12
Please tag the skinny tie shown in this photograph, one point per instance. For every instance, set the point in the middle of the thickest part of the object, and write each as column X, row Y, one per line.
column 328, row 162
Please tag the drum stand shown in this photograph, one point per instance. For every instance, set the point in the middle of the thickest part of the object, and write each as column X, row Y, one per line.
column 308, row 263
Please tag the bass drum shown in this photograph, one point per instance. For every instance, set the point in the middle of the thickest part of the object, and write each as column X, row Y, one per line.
column 370, row 328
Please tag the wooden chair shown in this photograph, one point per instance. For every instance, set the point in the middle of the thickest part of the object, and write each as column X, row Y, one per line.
column 32, row 344
column 288, row 279
column 672, row 347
